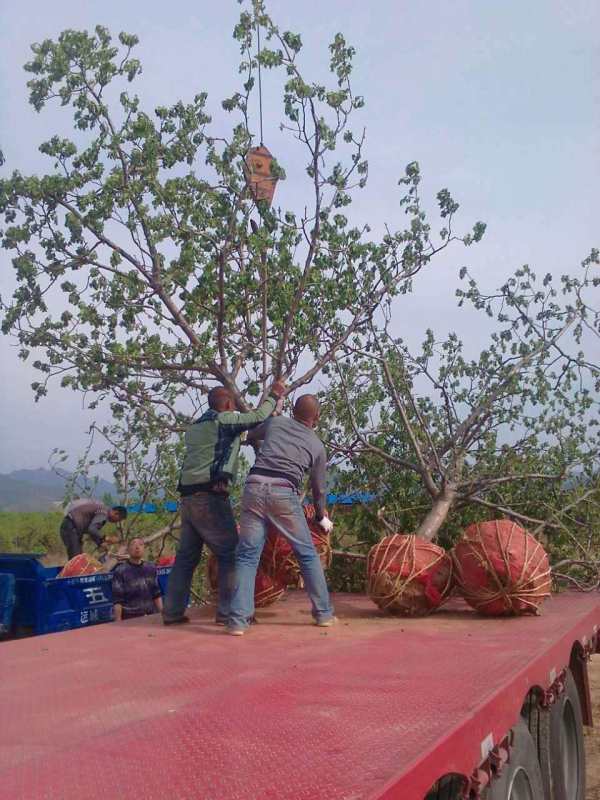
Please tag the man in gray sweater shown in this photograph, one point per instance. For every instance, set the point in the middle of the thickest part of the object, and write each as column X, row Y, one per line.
column 290, row 448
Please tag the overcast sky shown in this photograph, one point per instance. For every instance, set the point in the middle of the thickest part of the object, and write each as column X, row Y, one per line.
column 498, row 101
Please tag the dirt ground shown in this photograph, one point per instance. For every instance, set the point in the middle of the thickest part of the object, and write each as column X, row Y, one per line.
column 592, row 735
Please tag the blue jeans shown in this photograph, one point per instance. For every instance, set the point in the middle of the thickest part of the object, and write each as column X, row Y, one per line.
column 205, row 519
column 280, row 506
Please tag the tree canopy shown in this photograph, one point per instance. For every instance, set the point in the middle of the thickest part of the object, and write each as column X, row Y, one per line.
column 146, row 272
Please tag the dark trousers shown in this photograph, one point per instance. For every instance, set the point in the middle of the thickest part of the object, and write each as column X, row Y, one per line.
column 71, row 537
column 205, row 519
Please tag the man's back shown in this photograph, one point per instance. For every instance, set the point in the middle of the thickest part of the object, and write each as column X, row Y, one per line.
column 291, row 448
column 212, row 445
column 84, row 510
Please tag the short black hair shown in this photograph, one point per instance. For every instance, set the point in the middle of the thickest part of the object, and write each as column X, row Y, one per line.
column 218, row 397
column 122, row 511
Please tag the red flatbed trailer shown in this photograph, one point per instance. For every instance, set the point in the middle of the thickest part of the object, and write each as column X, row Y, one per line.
column 376, row 707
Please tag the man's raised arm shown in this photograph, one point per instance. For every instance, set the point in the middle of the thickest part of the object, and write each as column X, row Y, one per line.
column 318, row 484
column 237, row 423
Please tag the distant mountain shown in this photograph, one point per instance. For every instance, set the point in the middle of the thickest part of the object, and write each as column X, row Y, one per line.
column 40, row 490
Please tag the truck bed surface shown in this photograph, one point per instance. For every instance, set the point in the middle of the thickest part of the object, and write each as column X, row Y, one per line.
column 377, row 707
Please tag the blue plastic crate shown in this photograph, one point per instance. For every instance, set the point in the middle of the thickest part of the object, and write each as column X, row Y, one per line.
column 66, row 603
column 29, row 575
column 7, row 601
column 162, row 573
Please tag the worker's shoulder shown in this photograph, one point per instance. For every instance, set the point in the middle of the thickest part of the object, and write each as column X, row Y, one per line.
column 319, row 447
column 306, row 433
column 87, row 506
column 85, row 502
column 208, row 416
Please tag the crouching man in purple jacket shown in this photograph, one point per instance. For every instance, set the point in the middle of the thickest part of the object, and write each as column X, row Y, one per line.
column 135, row 585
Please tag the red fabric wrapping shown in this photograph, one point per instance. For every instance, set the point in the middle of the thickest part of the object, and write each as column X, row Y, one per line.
column 165, row 561
column 501, row 569
column 266, row 590
column 278, row 559
column 408, row 576
column 80, row 565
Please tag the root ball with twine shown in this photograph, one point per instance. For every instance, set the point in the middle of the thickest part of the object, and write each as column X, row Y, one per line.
column 82, row 564
column 501, row 569
column 278, row 559
column 408, row 576
column 266, row 590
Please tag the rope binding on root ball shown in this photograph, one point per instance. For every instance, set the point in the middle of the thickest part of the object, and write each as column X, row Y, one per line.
column 501, row 569
column 408, row 576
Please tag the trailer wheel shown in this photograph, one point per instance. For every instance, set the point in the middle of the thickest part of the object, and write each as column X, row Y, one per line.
column 521, row 778
column 560, row 744
column 450, row 787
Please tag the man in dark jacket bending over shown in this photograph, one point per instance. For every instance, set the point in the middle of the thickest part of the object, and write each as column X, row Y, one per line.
column 290, row 448
column 212, row 446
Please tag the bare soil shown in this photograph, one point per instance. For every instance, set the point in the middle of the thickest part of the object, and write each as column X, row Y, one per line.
column 592, row 735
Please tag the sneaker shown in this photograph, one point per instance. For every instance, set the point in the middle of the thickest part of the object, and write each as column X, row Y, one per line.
column 326, row 623
column 236, row 631
column 221, row 621
column 176, row 620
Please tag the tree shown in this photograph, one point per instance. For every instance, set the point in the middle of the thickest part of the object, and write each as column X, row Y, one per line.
column 512, row 431
column 145, row 270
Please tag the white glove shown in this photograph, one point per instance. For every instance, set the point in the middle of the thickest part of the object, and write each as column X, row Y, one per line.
column 326, row 524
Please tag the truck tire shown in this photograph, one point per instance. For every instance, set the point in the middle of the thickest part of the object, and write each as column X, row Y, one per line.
column 521, row 778
column 559, row 731
column 450, row 787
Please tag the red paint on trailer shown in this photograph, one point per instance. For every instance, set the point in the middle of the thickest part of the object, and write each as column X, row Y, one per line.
column 376, row 707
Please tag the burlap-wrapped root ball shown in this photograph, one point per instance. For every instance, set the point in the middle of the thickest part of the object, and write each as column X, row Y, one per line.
column 266, row 589
column 501, row 569
column 278, row 559
column 80, row 565
column 408, row 576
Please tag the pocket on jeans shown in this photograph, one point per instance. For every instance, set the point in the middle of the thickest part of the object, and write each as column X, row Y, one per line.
column 251, row 499
column 284, row 503
column 283, row 491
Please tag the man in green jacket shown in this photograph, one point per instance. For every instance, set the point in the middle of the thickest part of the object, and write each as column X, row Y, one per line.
column 212, row 446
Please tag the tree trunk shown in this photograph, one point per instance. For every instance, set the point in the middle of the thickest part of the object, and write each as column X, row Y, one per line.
column 434, row 520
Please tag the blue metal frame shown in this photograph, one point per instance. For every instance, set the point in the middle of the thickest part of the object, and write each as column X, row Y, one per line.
column 354, row 498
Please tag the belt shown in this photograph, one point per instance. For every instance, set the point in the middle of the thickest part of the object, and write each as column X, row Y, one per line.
column 286, row 484
column 218, row 487
column 273, row 473
column 219, row 492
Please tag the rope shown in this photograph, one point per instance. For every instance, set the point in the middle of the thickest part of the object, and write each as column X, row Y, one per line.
column 260, row 107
